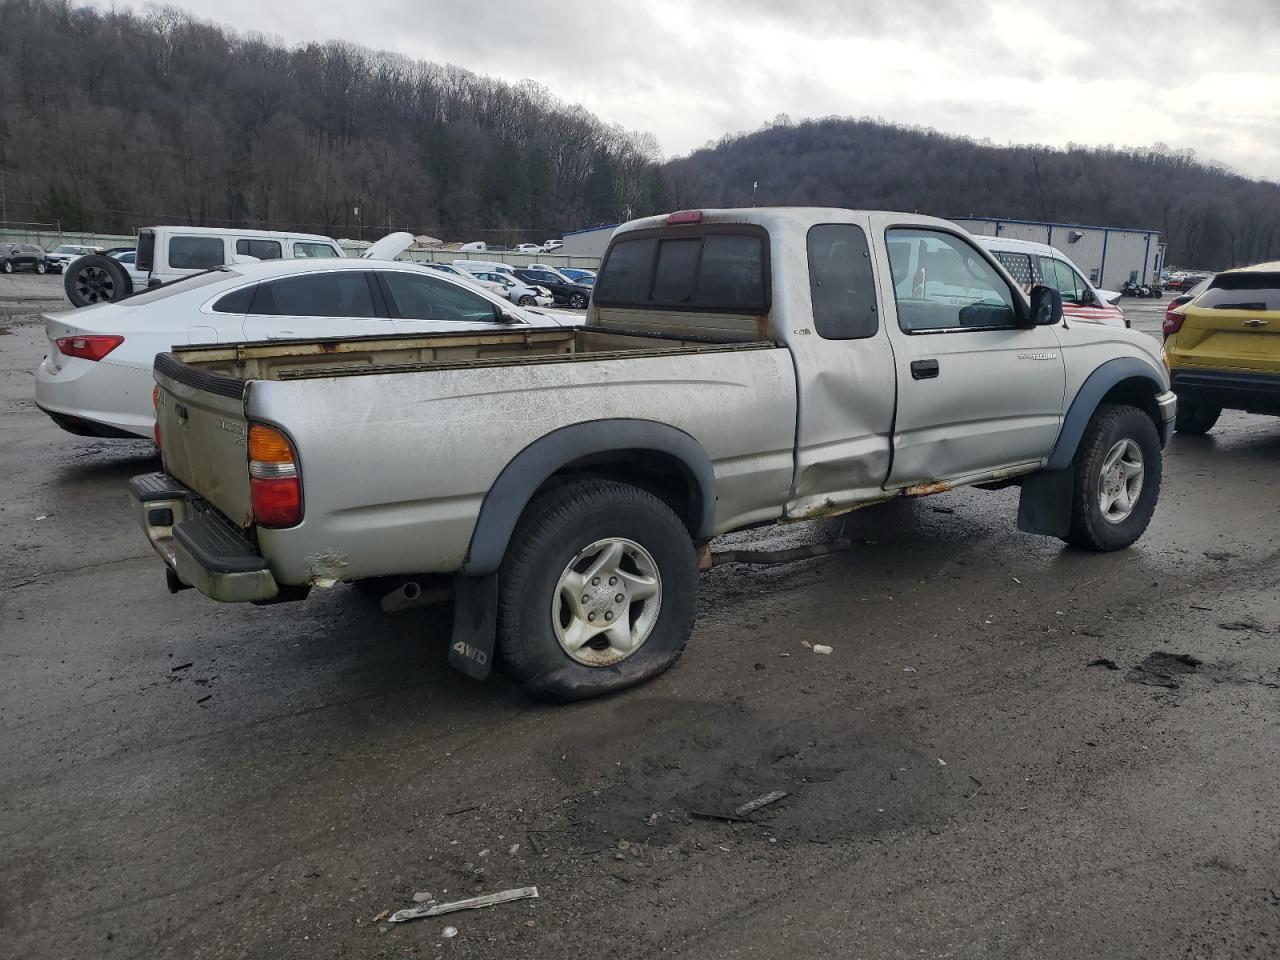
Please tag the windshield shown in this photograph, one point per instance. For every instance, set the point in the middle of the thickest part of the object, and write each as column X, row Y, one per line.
column 66, row 248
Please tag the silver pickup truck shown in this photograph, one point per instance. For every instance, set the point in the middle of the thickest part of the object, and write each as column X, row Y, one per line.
column 737, row 368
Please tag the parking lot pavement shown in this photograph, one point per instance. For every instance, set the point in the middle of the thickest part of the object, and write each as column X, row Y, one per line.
column 26, row 293
column 184, row 779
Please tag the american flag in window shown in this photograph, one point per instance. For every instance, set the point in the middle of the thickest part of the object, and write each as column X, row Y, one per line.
column 1019, row 267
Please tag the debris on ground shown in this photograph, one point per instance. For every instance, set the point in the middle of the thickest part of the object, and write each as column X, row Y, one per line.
column 181, row 666
column 422, row 897
column 433, row 909
column 449, row 932
column 752, row 806
column 207, row 696
column 823, row 648
column 1104, row 662
column 708, row 815
column 1163, row 669
column 941, row 762
column 943, row 510
column 1219, row 554
column 382, row 916
column 1250, row 624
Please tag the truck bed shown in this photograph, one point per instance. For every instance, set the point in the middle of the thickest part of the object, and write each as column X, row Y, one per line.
column 346, row 357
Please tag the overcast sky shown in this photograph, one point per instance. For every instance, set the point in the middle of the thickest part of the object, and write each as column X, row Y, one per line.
column 1203, row 75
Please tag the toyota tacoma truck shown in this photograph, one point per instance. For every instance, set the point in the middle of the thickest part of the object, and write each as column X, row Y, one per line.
column 737, row 368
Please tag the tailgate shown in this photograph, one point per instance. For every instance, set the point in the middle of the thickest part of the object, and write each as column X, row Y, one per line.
column 203, row 433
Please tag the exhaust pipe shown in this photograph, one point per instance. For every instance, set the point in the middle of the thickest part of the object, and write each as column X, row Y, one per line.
column 412, row 595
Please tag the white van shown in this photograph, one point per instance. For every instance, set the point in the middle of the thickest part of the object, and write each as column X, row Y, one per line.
column 170, row 253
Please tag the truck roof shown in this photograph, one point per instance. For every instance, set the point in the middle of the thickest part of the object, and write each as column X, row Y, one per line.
column 772, row 218
column 233, row 232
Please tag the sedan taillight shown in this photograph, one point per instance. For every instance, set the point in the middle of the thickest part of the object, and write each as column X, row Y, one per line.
column 88, row 347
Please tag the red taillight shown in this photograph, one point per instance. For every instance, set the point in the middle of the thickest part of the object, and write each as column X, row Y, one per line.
column 88, row 347
column 155, row 411
column 685, row 216
column 1172, row 318
column 275, row 490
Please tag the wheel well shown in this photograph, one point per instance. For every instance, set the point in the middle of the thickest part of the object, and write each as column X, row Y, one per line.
column 1136, row 392
column 662, row 474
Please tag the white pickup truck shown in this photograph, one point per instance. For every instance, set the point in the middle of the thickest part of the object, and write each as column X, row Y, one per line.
column 737, row 368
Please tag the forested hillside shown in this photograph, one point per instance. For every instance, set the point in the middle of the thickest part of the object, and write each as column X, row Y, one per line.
column 1210, row 217
column 113, row 120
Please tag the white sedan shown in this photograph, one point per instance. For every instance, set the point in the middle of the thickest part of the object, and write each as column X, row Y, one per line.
column 97, row 378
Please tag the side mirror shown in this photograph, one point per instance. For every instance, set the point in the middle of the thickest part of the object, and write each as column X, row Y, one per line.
column 1046, row 306
column 503, row 316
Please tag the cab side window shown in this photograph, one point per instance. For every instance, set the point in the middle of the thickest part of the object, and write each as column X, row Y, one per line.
column 941, row 282
column 261, row 249
column 841, row 282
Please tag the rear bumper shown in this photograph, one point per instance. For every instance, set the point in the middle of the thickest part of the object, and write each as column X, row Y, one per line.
column 199, row 546
column 1251, row 392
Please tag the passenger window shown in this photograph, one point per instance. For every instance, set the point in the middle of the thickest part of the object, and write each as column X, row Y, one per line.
column 303, row 250
column 338, row 294
column 841, row 282
column 195, row 253
column 237, row 301
column 943, row 283
column 415, row 297
column 262, row 249
column 1063, row 279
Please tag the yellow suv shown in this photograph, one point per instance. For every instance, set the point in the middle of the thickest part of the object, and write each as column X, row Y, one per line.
column 1223, row 348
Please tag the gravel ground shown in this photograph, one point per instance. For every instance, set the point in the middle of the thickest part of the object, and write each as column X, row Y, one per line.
column 184, row 779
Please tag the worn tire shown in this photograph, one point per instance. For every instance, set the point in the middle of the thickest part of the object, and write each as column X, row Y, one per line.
column 1112, row 423
column 1196, row 419
column 578, row 301
column 556, row 525
column 527, row 302
column 96, row 279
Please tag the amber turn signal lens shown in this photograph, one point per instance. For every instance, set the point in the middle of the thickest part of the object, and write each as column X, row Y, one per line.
column 269, row 445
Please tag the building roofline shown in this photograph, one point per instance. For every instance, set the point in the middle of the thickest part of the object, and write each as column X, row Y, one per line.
column 603, row 226
column 1054, row 223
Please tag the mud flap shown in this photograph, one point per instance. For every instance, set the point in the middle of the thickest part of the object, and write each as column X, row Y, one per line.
column 475, row 625
column 1045, row 504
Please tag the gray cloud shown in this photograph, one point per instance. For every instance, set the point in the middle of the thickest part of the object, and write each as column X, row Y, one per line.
column 1185, row 72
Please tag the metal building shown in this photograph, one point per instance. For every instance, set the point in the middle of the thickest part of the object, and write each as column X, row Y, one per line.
column 590, row 242
column 1108, row 255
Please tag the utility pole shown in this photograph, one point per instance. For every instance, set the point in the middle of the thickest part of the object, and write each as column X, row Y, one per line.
column 755, row 185
column 1043, row 216
column 4, row 201
column 359, row 223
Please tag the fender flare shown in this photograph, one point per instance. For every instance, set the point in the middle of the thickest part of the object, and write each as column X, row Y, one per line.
column 1087, row 399
column 534, row 465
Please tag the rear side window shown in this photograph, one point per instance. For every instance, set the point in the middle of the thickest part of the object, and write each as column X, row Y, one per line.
column 262, row 249
column 195, row 253
column 146, row 249
column 1018, row 265
column 419, row 297
column 1242, row 291
column 716, row 271
column 339, row 294
column 303, row 250
column 841, row 283
column 237, row 301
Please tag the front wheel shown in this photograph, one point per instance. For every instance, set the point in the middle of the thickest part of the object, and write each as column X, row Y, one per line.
column 8, row 266
column 41, row 268
column 1117, row 473
column 578, row 301
column 597, row 591
column 527, row 301
column 1195, row 418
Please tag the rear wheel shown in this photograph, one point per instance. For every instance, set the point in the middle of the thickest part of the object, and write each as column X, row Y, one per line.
column 96, row 279
column 597, row 591
column 8, row 266
column 40, row 267
column 1117, row 470
column 578, row 301
column 1196, row 418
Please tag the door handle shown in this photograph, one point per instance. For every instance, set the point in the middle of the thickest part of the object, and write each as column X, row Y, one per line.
column 924, row 369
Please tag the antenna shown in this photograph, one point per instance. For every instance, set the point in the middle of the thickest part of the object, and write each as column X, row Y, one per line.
column 1043, row 216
